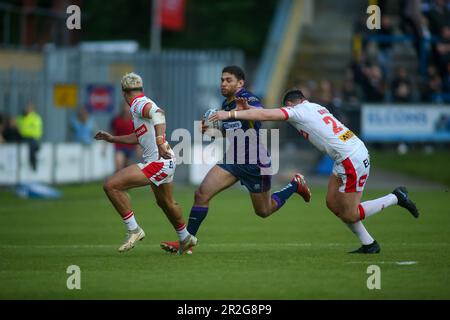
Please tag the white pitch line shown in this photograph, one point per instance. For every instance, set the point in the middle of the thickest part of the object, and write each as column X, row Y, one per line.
column 401, row 263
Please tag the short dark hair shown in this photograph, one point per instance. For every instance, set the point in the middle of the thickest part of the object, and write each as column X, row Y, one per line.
column 128, row 90
column 236, row 71
column 292, row 96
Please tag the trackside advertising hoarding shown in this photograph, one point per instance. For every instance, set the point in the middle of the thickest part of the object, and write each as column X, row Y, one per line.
column 409, row 123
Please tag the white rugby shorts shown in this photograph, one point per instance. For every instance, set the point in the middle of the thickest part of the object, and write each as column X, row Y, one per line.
column 353, row 171
column 160, row 171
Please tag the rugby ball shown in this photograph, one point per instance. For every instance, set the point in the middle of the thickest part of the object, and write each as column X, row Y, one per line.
column 212, row 124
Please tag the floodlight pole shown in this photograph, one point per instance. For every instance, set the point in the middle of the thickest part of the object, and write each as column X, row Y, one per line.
column 155, row 36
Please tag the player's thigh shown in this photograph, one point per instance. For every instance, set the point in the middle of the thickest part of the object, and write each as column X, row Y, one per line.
column 216, row 180
column 126, row 178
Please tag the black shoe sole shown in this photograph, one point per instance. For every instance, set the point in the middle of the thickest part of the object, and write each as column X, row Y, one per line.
column 405, row 202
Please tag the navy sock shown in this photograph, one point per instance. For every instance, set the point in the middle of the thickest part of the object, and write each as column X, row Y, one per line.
column 197, row 215
column 281, row 196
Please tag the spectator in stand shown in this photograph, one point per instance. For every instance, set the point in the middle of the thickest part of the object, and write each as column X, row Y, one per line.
column 439, row 16
column 351, row 94
column 401, row 87
column 426, row 36
column 357, row 68
column 325, row 96
column 10, row 132
column 412, row 22
column 385, row 45
column 431, row 89
column 446, row 84
column 324, row 93
column 83, row 127
column 443, row 50
column 122, row 125
column 374, row 85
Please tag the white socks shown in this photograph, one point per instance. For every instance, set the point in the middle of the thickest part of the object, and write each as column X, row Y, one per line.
column 360, row 231
column 182, row 232
column 369, row 208
column 130, row 221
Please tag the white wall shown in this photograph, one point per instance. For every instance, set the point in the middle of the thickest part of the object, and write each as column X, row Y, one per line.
column 57, row 163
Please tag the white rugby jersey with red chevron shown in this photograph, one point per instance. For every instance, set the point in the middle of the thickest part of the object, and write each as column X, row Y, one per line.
column 144, row 128
column 316, row 124
column 156, row 170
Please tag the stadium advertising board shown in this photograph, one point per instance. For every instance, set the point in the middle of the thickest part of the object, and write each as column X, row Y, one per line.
column 411, row 123
column 57, row 163
column 100, row 98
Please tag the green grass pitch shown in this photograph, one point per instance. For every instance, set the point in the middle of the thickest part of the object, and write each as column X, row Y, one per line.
column 298, row 253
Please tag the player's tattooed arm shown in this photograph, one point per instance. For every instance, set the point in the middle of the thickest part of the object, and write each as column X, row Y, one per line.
column 127, row 139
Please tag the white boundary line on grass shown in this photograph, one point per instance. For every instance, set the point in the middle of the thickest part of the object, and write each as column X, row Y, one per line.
column 400, row 263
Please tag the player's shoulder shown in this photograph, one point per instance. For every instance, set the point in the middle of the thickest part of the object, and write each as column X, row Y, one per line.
column 302, row 110
column 250, row 96
column 252, row 99
column 308, row 105
column 138, row 104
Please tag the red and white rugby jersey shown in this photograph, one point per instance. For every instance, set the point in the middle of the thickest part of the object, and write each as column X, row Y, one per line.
column 144, row 128
column 316, row 124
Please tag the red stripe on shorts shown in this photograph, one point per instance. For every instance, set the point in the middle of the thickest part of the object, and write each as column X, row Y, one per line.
column 350, row 172
column 152, row 168
column 160, row 176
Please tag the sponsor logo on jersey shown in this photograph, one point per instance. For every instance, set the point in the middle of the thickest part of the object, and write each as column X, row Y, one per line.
column 232, row 125
column 252, row 99
column 346, row 135
column 140, row 130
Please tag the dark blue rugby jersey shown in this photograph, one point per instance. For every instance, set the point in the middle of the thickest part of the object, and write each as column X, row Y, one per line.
column 234, row 124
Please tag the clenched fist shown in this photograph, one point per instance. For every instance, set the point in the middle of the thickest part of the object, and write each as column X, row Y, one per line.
column 103, row 135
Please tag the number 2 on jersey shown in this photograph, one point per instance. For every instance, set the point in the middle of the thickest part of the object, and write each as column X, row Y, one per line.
column 336, row 128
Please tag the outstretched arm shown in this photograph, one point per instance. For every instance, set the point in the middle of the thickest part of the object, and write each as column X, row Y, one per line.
column 127, row 139
column 246, row 112
column 255, row 114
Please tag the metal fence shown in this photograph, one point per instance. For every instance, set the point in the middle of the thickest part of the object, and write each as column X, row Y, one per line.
column 184, row 83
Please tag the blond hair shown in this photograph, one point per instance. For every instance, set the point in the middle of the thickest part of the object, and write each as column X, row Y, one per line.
column 132, row 81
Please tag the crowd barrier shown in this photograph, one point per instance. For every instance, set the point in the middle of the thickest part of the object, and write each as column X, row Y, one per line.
column 58, row 163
